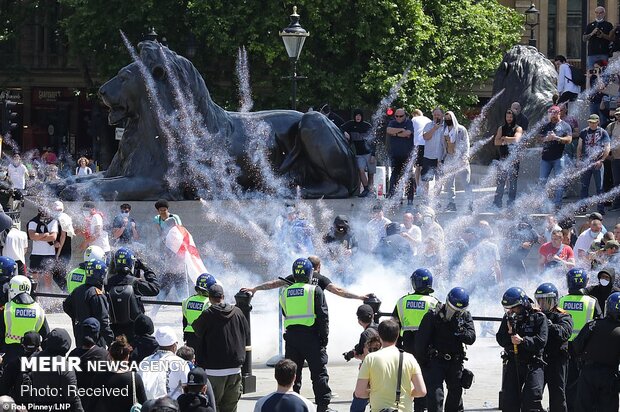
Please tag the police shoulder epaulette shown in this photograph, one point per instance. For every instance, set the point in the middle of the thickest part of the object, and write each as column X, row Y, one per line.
column 560, row 310
column 99, row 291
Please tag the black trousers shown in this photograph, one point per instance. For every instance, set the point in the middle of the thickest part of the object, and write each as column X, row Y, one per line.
column 304, row 346
column 399, row 164
column 438, row 372
column 524, row 395
column 572, row 376
column 596, row 391
column 510, row 175
column 555, row 379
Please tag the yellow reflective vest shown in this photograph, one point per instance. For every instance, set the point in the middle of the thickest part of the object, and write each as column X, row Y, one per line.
column 297, row 303
column 581, row 308
column 411, row 309
column 75, row 278
column 20, row 318
column 192, row 307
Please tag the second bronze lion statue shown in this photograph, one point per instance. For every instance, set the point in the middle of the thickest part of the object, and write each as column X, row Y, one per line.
column 156, row 98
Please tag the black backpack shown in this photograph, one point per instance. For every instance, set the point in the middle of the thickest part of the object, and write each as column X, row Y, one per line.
column 577, row 75
column 124, row 306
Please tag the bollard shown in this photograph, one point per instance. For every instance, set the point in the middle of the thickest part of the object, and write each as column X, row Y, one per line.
column 243, row 301
column 373, row 301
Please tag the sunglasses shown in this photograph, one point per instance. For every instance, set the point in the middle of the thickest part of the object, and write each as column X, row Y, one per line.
column 553, row 112
column 398, row 117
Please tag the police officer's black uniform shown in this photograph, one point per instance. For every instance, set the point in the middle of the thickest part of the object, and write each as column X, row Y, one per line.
column 89, row 301
column 144, row 283
column 439, row 346
column 527, row 389
column 560, row 327
column 598, row 344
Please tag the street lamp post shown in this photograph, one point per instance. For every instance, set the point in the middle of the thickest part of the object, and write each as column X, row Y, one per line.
column 532, row 19
column 294, row 37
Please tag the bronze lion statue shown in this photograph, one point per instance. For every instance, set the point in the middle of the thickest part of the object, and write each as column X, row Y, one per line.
column 177, row 138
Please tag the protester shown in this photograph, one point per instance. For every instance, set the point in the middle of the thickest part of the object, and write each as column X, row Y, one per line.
column 284, row 398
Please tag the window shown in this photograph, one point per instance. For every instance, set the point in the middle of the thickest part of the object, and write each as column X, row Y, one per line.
column 574, row 30
column 552, row 23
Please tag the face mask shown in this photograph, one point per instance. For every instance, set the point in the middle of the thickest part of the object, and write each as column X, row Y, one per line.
column 448, row 122
column 427, row 220
column 340, row 229
column 603, row 282
column 599, row 19
column 15, row 163
column 124, row 214
column 86, row 213
column 594, row 235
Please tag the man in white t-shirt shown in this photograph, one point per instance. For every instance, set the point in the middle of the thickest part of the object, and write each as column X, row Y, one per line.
column 17, row 173
column 42, row 230
column 411, row 232
column 15, row 247
column 375, row 228
column 419, row 121
column 584, row 241
column 95, row 234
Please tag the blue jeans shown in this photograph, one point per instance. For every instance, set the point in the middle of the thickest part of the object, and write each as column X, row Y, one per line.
column 510, row 174
column 598, row 183
column 546, row 166
column 358, row 404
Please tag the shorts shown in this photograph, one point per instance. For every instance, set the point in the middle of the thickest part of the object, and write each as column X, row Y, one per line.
column 364, row 163
column 42, row 263
column 429, row 169
column 420, row 156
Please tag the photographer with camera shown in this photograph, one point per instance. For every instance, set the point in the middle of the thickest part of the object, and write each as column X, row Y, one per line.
column 365, row 316
column 598, row 34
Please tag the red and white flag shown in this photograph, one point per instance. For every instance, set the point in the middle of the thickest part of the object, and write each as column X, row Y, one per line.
column 181, row 242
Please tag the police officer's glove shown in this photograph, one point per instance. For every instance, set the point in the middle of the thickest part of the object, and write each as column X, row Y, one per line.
column 348, row 355
column 323, row 341
column 549, row 323
column 139, row 265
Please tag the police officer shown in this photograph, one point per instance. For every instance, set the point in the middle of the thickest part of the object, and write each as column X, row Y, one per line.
column 8, row 269
column 523, row 335
column 89, row 301
column 21, row 314
column 598, row 344
column 77, row 276
column 307, row 328
column 409, row 311
column 439, row 344
column 194, row 305
column 560, row 325
column 132, row 280
column 582, row 309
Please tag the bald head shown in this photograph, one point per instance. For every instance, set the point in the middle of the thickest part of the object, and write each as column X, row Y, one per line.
column 516, row 107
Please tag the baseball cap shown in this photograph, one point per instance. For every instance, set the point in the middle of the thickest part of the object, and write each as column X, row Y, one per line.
column 216, row 291
column 593, row 118
column 31, row 340
column 165, row 336
column 612, row 244
column 364, row 311
column 554, row 109
column 197, row 377
column 88, row 205
column 617, row 111
column 377, row 207
column 58, row 206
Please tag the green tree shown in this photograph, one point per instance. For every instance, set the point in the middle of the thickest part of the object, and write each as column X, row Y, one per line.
column 356, row 50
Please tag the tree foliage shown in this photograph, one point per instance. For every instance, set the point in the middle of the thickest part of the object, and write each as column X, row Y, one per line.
column 356, row 51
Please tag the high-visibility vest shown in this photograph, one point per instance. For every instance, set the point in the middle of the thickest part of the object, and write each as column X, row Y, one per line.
column 412, row 308
column 192, row 308
column 581, row 308
column 20, row 318
column 75, row 278
column 297, row 303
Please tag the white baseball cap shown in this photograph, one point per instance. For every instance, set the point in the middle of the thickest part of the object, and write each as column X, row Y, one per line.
column 166, row 336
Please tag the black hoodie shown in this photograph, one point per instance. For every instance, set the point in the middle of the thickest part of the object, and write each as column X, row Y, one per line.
column 56, row 344
column 600, row 292
column 143, row 343
column 344, row 237
column 223, row 333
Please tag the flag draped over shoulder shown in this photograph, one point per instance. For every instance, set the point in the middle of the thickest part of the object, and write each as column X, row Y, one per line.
column 181, row 242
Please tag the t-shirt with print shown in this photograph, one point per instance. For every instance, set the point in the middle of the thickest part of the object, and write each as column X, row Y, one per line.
column 40, row 247
column 593, row 142
column 548, row 251
column 598, row 45
column 554, row 150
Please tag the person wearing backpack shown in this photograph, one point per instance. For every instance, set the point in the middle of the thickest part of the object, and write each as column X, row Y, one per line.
column 570, row 80
column 89, row 301
column 131, row 280
column 13, row 377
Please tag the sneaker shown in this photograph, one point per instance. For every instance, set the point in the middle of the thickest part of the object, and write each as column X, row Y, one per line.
column 364, row 193
column 451, row 207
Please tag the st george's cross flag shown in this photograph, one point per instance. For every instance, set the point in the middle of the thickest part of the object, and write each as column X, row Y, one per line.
column 181, row 242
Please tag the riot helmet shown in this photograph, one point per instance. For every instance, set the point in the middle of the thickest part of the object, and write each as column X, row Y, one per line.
column 93, row 252
column 576, row 279
column 8, row 269
column 303, row 270
column 204, row 282
column 612, row 306
column 547, row 296
column 456, row 301
column 19, row 284
column 124, row 260
column 96, row 271
column 422, row 280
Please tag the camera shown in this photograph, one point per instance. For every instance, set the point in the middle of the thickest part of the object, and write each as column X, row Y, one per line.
column 348, row 355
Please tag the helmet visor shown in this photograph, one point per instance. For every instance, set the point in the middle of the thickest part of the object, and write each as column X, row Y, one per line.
column 547, row 302
column 451, row 310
